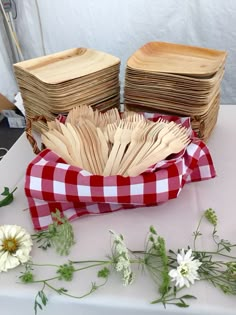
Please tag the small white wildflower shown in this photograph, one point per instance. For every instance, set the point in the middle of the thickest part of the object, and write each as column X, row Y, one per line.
column 122, row 264
column 128, row 277
column 121, row 249
column 116, row 237
column 121, row 255
column 232, row 268
column 126, row 272
column 15, row 246
column 186, row 273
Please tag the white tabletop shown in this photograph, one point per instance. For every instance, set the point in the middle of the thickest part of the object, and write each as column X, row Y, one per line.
column 175, row 220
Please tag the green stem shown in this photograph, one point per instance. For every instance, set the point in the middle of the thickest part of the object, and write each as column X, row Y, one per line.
column 217, row 277
column 14, row 190
column 137, row 261
column 44, row 265
column 79, row 269
column 157, row 268
column 89, row 261
column 143, row 252
column 214, row 253
column 103, row 262
column 155, row 277
column 214, row 238
column 45, row 280
column 74, row 296
column 94, row 265
column 166, row 297
column 196, row 234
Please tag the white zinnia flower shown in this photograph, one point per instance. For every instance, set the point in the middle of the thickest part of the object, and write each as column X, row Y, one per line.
column 15, row 246
column 186, row 272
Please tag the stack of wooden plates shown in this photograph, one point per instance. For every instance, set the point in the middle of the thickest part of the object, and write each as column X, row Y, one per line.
column 176, row 79
column 56, row 83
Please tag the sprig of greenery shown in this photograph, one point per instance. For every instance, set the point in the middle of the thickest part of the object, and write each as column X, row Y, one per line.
column 156, row 260
column 40, row 300
column 8, row 196
column 27, row 276
column 59, row 235
column 63, row 272
column 172, row 299
column 221, row 274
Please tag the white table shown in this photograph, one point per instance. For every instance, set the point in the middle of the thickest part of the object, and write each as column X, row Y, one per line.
column 174, row 220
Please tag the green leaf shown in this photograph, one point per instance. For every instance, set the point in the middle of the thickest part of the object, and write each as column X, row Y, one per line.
column 103, row 273
column 227, row 248
column 157, row 301
column 66, row 272
column 39, row 305
column 6, row 201
column 5, row 192
column 8, row 197
column 175, row 291
column 152, row 230
column 59, row 235
column 62, row 290
column 188, row 296
column 44, row 298
column 36, row 305
column 181, row 304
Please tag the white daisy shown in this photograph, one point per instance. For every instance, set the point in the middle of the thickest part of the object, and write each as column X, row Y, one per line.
column 186, row 272
column 15, row 246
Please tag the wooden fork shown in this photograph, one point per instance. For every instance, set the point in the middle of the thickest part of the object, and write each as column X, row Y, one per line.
column 150, row 140
column 172, row 142
column 125, row 138
column 56, row 145
column 138, row 138
column 114, row 135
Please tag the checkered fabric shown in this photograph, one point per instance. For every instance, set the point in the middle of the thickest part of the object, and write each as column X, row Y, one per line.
column 52, row 184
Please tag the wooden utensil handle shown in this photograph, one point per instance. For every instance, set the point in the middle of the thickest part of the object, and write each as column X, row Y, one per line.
column 152, row 159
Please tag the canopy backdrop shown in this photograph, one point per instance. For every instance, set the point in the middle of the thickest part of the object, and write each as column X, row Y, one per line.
column 120, row 27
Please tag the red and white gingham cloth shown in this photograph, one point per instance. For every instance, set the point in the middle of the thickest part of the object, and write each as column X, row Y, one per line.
column 52, row 184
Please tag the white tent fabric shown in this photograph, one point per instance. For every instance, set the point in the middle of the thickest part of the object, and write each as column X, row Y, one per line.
column 7, row 81
column 120, row 27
